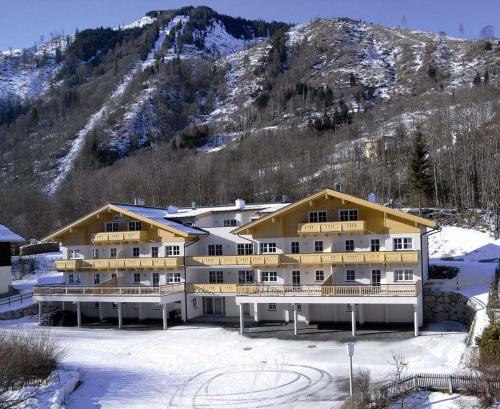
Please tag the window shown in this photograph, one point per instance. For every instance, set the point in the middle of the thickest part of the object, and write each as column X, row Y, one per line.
column 271, row 307
column 375, row 245
column 298, row 307
column 114, row 305
column 97, row 278
column 350, row 275
column 112, row 226
column 403, row 275
column 135, row 252
column 245, row 276
column 295, row 247
column 230, row 223
column 267, row 248
column 78, row 279
column 172, row 250
column 296, row 277
column 71, row 278
column 317, row 217
column 349, row 245
column 269, row 276
column 75, row 253
column 173, row 278
column 215, row 249
column 194, row 303
column 113, row 275
column 244, row 249
column 135, row 226
column 156, row 279
column 154, row 252
column 137, row 278
column 318, row 246
column 215, row 277
column 96, row 305
column 112, row 252
column 320, row 275
column 403, row 243
column 348, row 215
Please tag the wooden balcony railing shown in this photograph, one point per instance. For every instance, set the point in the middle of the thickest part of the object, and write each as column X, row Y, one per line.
column 120, row 236
column 250, row 260
column 118, row 263
column 383, row 290
column 97, row 291
column 364, row 257
column 332, row 227
column 211, row 288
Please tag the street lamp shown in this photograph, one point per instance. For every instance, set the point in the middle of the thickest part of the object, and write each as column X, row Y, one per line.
column 350, row 352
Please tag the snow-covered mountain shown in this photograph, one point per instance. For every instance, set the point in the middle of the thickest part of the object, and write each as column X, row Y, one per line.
column 96, row 97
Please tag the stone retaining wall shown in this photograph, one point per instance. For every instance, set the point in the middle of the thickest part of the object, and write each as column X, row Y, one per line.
column 447, row 306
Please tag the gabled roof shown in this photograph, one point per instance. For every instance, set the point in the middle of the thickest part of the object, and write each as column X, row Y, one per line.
column 8, row 236
column 341, row 196
column 185, row 212
column 153, row 215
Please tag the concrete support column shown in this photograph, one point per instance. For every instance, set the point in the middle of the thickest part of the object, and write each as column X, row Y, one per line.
column 165, row 316
column 40, row 312
column 183, row 311
column 242, row 322
column 295, row 319
column 120, row 316
column 353, row 320
column 78, row 314
column 287, row 314
column 335, row 312
column 256, row 312
column 63, row 305
column 305, row 311
column 361, row 314
column 101, row 311
column 415, row 319
column 386, row 313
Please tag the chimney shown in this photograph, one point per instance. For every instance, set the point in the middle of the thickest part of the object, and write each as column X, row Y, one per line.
column 337, row 187
column 284, row 198
column 240, row 203
column 372, row 197
column 139, row 201
column 193, row 205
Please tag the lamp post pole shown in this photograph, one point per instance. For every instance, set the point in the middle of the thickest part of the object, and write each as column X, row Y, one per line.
column 350, row 352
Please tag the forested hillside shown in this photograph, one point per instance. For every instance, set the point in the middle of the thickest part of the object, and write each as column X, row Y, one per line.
column 190, row 105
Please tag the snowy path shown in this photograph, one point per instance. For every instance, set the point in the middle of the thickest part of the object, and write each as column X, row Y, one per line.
column 66, row 163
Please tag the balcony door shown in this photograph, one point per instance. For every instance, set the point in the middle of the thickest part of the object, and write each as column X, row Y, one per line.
column 376, row 277
column 213, row 306
column 296, row 278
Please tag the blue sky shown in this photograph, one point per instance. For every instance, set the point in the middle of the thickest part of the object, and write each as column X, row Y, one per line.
column 22, row 22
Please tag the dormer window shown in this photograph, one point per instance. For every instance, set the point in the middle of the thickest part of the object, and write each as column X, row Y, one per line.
column 348, row 215
column 111, row 227
column 317, row 217
column 230, row 223
column 134, row 226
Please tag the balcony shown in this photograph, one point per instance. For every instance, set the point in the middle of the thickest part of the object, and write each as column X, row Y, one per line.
column 346, row 258
column 211, row 288
column 383, row 290
column 118, row 263
column 358, row 226
column 251, row 260
column 101, row 291
column 120, row 237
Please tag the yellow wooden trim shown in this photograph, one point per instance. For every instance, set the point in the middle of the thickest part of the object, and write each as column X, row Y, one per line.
column 344, row 198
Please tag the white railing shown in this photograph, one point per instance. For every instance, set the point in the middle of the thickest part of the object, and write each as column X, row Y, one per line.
column 97, row 291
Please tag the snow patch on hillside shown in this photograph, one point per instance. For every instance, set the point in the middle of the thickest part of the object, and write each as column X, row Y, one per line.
column 144, row 21
column 66, row 163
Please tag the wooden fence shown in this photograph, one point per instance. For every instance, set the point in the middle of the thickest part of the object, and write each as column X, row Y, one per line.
column 433, row 382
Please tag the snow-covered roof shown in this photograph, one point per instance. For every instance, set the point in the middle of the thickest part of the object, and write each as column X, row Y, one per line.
column 9, row 236
column 159, row 215
column 198, row 211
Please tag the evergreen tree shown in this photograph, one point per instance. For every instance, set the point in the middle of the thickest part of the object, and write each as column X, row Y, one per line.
column 486, row 77
column 418, row 169
column 477, row 79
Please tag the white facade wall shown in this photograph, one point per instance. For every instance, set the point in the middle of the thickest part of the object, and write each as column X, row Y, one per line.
column 5, row 279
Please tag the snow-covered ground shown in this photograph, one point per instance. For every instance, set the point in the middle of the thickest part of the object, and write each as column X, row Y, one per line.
column 477, row 255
